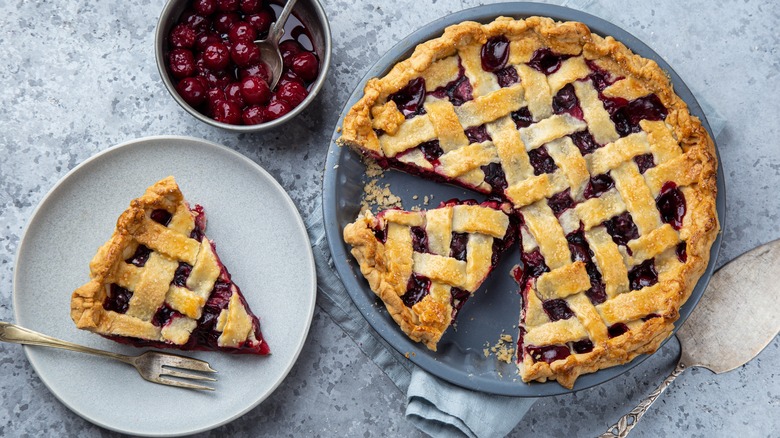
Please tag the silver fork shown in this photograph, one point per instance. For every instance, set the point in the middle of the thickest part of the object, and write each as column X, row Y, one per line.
column 152, row 365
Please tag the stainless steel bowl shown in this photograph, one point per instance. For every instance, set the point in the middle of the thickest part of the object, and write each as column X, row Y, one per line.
column 310, row 12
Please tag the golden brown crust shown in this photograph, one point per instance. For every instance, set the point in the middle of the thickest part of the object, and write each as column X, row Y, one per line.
column 87, row 301
column 643, row 76
column 430, row 318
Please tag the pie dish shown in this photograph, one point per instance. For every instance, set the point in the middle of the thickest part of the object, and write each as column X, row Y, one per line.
column 611, row 179
column 424, row 265
column 158, row 282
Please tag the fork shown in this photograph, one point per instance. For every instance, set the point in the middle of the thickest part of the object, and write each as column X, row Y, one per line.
column 153, row 366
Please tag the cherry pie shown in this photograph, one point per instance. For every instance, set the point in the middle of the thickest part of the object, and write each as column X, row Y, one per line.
column 611, row 180
column 158, row 282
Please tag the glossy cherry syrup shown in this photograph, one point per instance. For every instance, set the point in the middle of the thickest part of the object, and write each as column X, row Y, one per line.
column 541, row 161
column 622, row 228
column 584, row 142
column 522, row 118
column 495, row 53
column 671, row 205
column 547, row 62
column 140, row 256
column 566, row 102
column 643, row 275
column 598, row 185
column 457, row 91
column 417, row 288
column 557, row 309
column 409, row 100
column 477, row 134
column 548, row 353
column 560, row 202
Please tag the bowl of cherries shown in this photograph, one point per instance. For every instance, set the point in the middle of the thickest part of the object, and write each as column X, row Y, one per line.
column 209, row 62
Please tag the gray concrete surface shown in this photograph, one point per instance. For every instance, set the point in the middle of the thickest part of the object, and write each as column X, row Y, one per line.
column 77, row 77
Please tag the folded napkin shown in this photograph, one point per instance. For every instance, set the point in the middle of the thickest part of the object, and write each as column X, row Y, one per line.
column 433, row 405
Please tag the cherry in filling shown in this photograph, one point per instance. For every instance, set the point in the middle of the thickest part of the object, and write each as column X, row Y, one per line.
column 419, row 239
column 557, row 309
column 627, row 115
column 548, row 353
column 583, row 346
column 598, row 185
column 584, row 142
column 161, row 216
column 432, row 151
column 417, row 288
column 643, row 275
column 477, row 134
column 458, row 298
column 541, row 161
column 601, row 78
column 140, row 257
column 522, row 117
column 644, row 162
column 118, row 299
column 457, row 91
column 547, row 62
column 560, row 202
column 494, row 175
column 458, row 246
column 622, row 228
column 566, row 102
column 580, row 251
column 507, row 76
column 495, row 53
column 681, row 251
column 617, row 329
column 671, row 205
column 532, row 267
column 410, row 99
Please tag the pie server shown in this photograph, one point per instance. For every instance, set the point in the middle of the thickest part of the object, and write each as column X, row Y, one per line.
column 746, row 290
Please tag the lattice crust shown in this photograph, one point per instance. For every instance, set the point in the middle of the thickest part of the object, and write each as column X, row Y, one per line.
column 152, row 285
column 408, row 259
column 545, row 140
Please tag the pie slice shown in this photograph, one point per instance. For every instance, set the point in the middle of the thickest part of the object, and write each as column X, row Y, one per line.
column 424, row 265
column 611, row 179
column 158, row 282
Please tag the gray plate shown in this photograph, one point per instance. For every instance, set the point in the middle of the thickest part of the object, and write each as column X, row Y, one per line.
column 494, row 309
column 260, row 238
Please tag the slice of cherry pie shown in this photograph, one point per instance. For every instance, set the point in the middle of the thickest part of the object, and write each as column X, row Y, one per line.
column 424, row 265
column 158, row 282
column 611, row 179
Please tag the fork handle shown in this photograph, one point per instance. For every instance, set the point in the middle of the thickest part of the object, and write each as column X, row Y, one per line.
column 20, row 335
column 628, row 421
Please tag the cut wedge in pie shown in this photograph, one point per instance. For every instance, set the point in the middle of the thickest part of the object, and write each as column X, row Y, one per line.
column 610, row 178
column 424, row 265
column 158, row 282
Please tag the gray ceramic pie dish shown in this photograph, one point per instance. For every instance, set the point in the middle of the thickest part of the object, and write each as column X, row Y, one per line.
column 495, row 307
column 310, row 12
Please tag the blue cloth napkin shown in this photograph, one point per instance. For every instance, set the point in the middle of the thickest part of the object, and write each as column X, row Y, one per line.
column 433, row 405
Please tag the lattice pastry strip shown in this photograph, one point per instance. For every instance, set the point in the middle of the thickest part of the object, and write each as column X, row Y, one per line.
column 611, row 180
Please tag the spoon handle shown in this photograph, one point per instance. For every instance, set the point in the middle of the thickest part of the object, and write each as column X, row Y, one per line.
column 277, row 29
column 628, row 421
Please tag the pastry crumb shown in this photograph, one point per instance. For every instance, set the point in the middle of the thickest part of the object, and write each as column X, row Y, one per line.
column 504, row 349
column 379, row 195
column 415, row 197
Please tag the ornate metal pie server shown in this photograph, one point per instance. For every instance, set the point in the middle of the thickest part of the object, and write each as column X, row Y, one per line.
column 745, row 289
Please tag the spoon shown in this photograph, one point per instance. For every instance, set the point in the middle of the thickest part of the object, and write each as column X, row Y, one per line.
column 269, row 47
column 744, row 290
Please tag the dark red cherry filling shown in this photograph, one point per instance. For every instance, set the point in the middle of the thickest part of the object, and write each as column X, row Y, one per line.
column 409, row 100
column 181, row 274
column 671, row 205
column 458, row 298
column 507, row 76
column 522, row 117
column 627, row 115
column 419, row 239
column 118, row 299
column 533, row 265
column 477, row 134
column 432, row 151
column 644, row 162
column 494, row 175
column 557, row 309
column 580, row 251
column 560, row 202
column 622, row 228
column 547, row 62
column 616, row 330
column 598, row 185
column 548, row 353
column 161, row 216
column 164, row 316
column 457, row 91
column 582, row 347
column 584, row 142
column 566, row 102
column 417, row 288
column 681, row 251
column 541, row 161
column 200, row 223
column 458, row 246
column 643, row 275
column 601, row 78
column 140, row 256
column 495, row 53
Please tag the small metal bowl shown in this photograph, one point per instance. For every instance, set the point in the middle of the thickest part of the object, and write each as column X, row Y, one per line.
column 311, row 14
